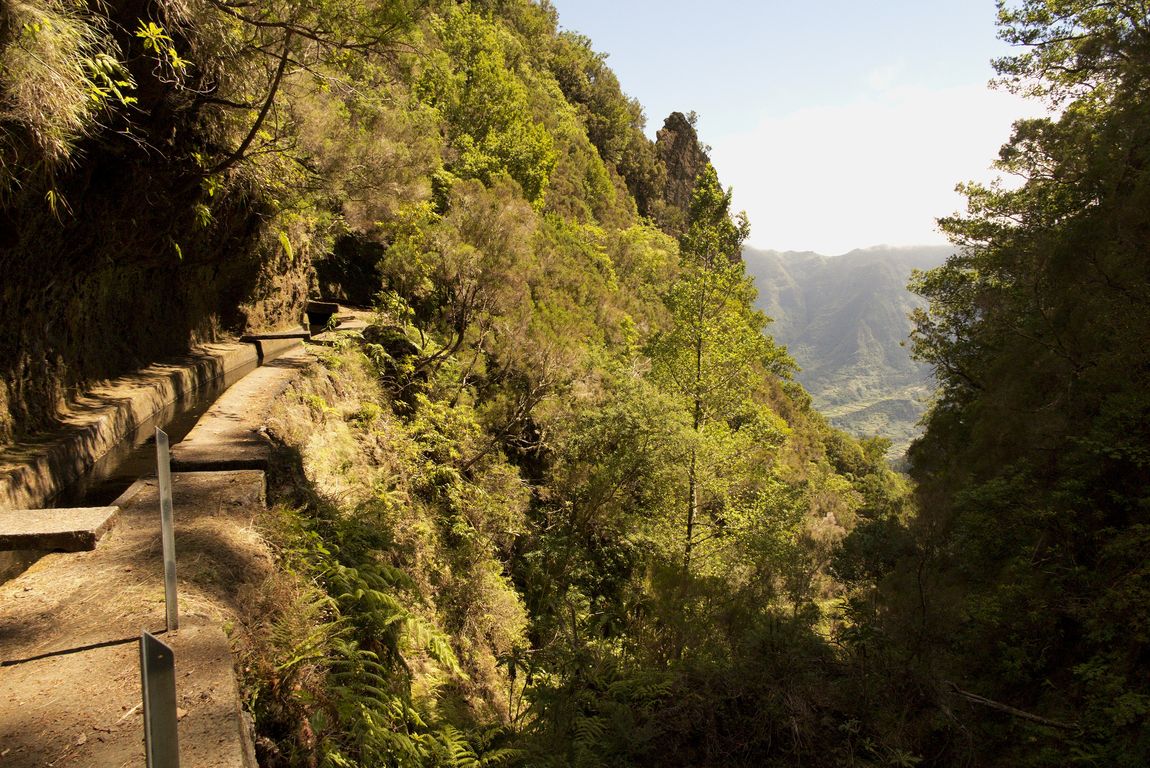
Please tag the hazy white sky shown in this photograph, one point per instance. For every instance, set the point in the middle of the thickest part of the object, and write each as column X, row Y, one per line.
column 840, row 124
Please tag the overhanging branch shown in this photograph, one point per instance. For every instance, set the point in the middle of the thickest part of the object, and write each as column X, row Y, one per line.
column 273, row 89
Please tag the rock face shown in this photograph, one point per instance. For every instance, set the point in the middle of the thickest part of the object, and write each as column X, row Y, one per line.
column 117, row 246
column 680, row 153
column 126, row 277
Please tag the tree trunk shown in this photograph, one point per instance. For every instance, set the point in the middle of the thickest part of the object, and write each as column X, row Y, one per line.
column 693, row 475
column 692, row 509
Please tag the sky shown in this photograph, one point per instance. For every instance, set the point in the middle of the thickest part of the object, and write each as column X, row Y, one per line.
column 840, row 124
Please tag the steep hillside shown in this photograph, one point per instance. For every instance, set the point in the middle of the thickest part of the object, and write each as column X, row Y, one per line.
column 846, row 320
column 563, row 502
column 167, row 178
column 563, row 483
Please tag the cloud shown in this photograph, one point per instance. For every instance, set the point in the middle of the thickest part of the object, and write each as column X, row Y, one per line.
column 883, row 78
column 878, row 170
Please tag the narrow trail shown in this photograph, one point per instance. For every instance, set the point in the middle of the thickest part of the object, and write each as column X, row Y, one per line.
column 69, row 625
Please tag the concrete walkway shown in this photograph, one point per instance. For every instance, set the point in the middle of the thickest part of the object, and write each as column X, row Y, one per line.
column 69, row 626
column 228, row 435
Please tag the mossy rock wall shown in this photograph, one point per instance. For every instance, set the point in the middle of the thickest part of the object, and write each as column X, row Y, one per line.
column 127, row 276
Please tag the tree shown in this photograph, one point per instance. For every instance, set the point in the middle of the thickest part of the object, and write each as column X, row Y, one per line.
column 1075, row 49
column 1033, row 467
column 464, row 272
column 714, row 355
column 477, row 82
column 154, row 75
column 243, row 54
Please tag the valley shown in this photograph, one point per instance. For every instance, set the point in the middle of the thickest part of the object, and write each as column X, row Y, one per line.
column 563, row 497
column 845, row 320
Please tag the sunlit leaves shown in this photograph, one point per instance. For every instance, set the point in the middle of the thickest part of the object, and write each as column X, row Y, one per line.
column 473, row 82
column 60, row 80
column 1075, row 49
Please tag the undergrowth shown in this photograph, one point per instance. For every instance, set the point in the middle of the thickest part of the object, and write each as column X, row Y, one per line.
column 391, row 616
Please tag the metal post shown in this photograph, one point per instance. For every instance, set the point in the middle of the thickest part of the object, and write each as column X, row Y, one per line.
column 158, row 680
column 167, row 530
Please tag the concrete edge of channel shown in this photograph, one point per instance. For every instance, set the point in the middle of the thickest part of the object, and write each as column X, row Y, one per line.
column 38, row 478
column 113, row 412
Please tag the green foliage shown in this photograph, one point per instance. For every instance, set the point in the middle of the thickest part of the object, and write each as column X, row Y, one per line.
column 588, row 83
column 1033, row 464
column 157, row 42
column 614, row 123
column 1074, row 49
column 60, row 77
column 712, row 237
column 462, row 270
column 474, row 81
column 481, row 529
column 714, row 356
column 401, row 611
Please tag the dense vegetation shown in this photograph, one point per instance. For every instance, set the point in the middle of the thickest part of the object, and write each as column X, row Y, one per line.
column 563, row 503
column 1034, row 469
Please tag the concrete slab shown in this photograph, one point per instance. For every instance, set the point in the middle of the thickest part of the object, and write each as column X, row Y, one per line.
column 70, row 623
column 272, row 345
column 230, row 434
column 320, row 312
column 36, row 732
column 290, row 333
column 75, row 529
column 69, row 627
column 351, row 321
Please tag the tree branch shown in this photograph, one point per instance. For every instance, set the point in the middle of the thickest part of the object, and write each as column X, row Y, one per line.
column 238, row 154
column 974, row 698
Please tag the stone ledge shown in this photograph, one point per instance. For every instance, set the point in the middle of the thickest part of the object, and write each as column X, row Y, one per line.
column 275, row 344
column 75, row 529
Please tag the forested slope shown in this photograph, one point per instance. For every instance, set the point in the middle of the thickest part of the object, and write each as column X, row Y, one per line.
column 846, row 321
column 564, row 503
column 1034, row 474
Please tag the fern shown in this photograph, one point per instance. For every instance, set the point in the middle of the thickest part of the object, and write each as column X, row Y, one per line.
column 501, row 757
column 589, row 732
column 454, row 746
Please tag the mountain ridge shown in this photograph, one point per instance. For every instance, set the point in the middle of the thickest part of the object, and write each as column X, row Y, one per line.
column 844, row 319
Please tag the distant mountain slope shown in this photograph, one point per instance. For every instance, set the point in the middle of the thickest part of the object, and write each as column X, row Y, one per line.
column 844, row 319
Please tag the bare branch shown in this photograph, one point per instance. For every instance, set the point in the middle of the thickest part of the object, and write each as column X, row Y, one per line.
column 974, row 698
column 238, row 154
